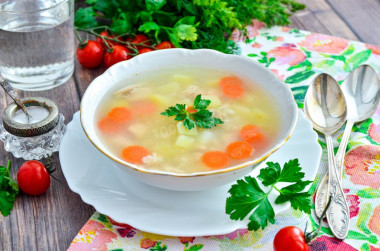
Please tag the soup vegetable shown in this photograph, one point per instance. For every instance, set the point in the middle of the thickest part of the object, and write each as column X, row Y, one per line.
column 188, row 120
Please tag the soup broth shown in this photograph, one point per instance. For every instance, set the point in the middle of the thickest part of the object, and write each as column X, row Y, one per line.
column 131, row 125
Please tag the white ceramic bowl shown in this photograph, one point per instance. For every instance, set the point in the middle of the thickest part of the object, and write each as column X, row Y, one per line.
column 169, row 58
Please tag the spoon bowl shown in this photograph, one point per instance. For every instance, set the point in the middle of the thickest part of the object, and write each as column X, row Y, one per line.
column 325, row 105
column 362, row 92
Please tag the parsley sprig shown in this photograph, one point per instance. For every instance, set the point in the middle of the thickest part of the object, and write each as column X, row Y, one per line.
column 8, row 190
column 247, row 196
column 202, row 117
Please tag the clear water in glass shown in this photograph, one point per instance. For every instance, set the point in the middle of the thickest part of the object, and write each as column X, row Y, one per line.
column 37, row 43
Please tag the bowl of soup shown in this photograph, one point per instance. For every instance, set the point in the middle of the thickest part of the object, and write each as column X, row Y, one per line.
column 188, row 120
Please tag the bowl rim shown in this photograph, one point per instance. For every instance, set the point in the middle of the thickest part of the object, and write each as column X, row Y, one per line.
column 195, row 174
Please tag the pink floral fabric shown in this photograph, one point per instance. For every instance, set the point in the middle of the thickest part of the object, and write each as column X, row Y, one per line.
column 295, row 57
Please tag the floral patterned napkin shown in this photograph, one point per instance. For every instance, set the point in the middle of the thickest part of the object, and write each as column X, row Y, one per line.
column 295, row 57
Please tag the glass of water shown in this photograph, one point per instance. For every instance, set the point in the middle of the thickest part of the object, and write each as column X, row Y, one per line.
column 36, row 43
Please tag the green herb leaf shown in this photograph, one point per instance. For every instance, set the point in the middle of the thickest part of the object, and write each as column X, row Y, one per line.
column 291, row 172
column 120, row 26
column 149, row 26
column 248, row 198
column 154, row 5
column 186, row 32
column 270, row 174
column 299, row 201
column 246, row 195
column 85, row 18
column 202, row 118
column 8, row 190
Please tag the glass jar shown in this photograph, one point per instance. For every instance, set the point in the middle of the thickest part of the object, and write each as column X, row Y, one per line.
column 36, row 138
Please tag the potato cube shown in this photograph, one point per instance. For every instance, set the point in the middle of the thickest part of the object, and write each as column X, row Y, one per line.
column 184, row 141
column 160, row 99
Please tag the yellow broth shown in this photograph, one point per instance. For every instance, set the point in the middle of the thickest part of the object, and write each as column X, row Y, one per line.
column 149, row 95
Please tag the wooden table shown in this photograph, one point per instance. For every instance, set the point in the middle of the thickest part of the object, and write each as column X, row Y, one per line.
column 50, row 221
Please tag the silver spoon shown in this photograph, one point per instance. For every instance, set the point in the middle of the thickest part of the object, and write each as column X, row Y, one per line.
column 325, row 106
column 362, row 92
column 11, row 92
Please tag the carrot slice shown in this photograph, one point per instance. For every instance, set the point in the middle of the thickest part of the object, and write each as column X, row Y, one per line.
column 191, row 109
column 144, row 107
column 239, row 150
column 120, row 114
column 215, row 159
column 134, row 154
column 108, row 126
column 232, row 87
column 252, row 134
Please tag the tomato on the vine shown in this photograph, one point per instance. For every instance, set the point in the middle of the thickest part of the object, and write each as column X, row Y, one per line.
column 110, row 43
column 141, row 39
column 164, row 45
column 33, row 178
column 290, row 238
column 91, row 55
column 117, row 54
column 145, row 50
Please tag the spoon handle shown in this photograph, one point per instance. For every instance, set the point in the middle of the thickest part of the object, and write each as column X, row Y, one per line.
column 339, row 157
column 11, row 92
column 321, row 196
column 338, row 212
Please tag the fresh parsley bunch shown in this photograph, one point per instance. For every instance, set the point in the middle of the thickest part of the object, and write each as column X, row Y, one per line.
column 8, row 190
column 247, row 196
column 200, row 116
column 186, row 23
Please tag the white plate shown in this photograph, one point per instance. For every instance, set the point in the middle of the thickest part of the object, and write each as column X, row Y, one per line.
column 114, row 193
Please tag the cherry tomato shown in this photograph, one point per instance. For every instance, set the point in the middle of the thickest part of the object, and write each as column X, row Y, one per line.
column 145, row 50
column 91, row 55
column 110, row 43
column 119, row 53
column 165, row 45
column 33, row 178
column 141, row 39
column 290, row 238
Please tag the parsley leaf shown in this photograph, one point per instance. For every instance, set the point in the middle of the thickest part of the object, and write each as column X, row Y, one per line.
column 202, row 117
column 273, row 174
column 247, row 198
column 85, row 17
column 247, row 195
column 8, row 190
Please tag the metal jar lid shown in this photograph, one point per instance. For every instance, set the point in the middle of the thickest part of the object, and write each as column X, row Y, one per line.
column 33, row 129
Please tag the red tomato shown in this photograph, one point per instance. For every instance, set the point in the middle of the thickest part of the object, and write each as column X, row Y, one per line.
column 165, row 45
column 141, row 39
column 119, row 53
column 91, row 55
column 110, row 43
column 33, row 178
column 290, row 238
column 145, row 50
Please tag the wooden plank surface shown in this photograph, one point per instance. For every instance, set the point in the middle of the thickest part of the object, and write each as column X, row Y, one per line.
column 50, row 222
